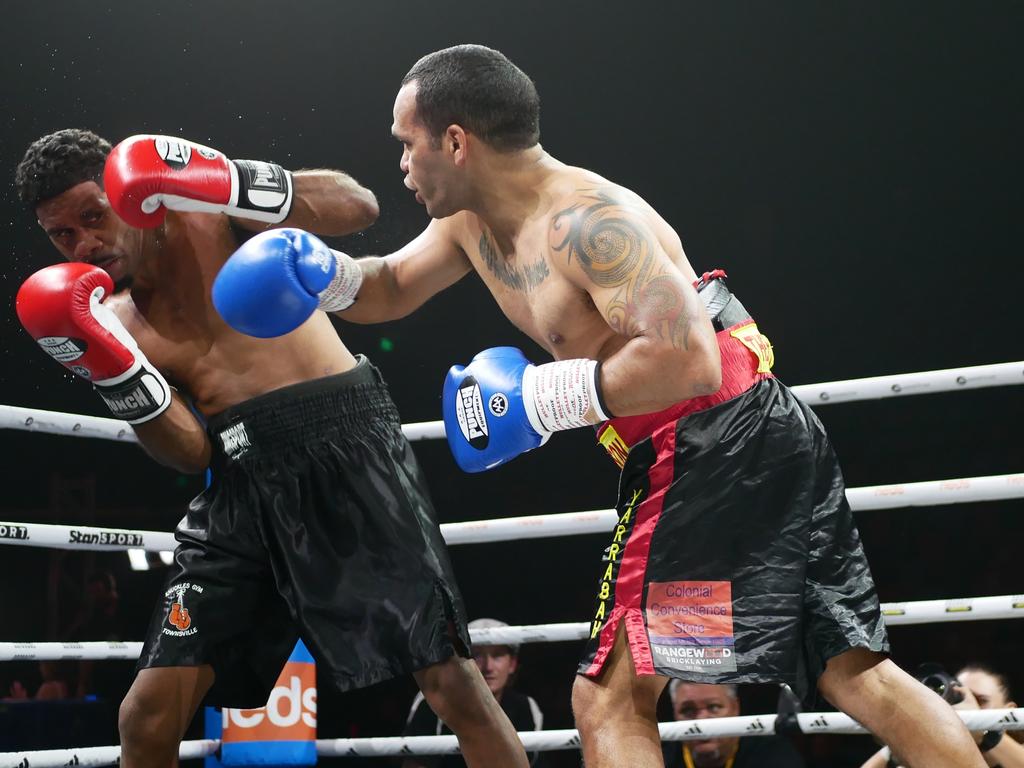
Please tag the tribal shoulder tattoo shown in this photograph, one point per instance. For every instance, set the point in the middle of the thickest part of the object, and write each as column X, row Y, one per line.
column 518, row 279
column 617, row 251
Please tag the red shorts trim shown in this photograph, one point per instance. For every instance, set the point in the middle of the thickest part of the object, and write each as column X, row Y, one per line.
column 632, row 570
column 742, row 368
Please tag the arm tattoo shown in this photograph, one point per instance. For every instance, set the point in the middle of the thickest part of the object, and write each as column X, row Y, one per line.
column 618, row 254
column 525, row 279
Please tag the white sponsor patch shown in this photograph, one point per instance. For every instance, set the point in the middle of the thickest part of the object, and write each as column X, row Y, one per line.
column 469, row 410
column 235, row 440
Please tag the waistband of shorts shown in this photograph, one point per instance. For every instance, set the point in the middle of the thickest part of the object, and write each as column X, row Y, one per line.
column 291, row 415
column 724, row 309
column 747, row 358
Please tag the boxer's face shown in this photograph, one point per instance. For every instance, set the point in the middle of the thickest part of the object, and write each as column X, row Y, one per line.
column 83, row 227
column 696, row 702
column 430, row 170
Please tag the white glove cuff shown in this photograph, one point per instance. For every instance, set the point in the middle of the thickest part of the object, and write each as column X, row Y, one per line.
column 103, row 315
column 148, row 395
column 344, row 286
column 259, row 191
column 563, row 395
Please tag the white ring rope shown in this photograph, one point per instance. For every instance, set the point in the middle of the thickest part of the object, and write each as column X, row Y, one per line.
column 84, row 537
column 94, row 756
column 894, row 614
column 101, row 649
column 534, row 741
column 872, row 388
column 933, row 492
column 682, row 730
column 876, row 497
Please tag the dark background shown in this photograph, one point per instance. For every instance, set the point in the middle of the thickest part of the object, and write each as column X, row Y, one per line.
column 856, row 167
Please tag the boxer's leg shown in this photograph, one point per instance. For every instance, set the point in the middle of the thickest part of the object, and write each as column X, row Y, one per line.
column 918, row 725
column 156, row 711
column 616, row 712
column 457, row 693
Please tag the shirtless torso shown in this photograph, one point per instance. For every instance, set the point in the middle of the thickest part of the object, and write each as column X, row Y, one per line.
column 167, row 307
column 531, row 276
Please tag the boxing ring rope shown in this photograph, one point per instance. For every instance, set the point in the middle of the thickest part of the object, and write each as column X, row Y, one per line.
column 680, row 730
column 894, row 614
column 596, row 521
column 534, row 741
column 94, row 756
column 873, row 497
column 848, row 391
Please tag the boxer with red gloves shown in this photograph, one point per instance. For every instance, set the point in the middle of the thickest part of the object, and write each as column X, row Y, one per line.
column 299, row 434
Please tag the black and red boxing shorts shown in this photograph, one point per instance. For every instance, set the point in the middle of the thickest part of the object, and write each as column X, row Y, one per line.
column 735, row 558
column 317, row 523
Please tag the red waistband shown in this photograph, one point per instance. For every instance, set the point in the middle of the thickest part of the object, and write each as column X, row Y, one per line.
column 746, row 359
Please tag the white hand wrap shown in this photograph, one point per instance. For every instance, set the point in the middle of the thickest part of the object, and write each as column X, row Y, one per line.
column 344, row 286
column 560, row 395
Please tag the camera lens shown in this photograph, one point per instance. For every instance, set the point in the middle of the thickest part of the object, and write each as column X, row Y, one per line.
column 939, row 680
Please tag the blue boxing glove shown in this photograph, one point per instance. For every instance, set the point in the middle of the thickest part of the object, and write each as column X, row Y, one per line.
column 500, row 405
column 277, row 279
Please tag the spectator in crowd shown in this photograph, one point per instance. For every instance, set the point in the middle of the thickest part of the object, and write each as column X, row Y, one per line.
column 52, row 685
column 498, row 665
column 696, row 701
column 981, row 688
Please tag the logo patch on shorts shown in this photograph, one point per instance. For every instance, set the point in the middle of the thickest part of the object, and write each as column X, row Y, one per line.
column 689, row 624
column 614, row 444
column 469, row 410
column 757, row 343
column 179, row 615
column 235, row 440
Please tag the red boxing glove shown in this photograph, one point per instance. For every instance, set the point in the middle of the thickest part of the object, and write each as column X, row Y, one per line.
column 61, row 306
column 145, row 175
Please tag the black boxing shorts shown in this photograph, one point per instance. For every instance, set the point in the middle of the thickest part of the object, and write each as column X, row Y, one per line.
column 735, row 558
column 317, row 524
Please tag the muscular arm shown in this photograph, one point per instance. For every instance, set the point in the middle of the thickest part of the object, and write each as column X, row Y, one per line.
column 604, row 246
column 176, row 438
column 396, row 285
column 325, row 203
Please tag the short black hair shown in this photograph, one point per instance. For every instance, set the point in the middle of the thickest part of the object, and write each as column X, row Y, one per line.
column 480, row 89
column 58, row 161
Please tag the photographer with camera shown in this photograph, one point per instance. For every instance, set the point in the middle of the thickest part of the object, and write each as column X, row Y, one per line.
column 974, row 687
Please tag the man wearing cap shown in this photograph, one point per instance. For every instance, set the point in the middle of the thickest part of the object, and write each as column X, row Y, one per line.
column 498, row 664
